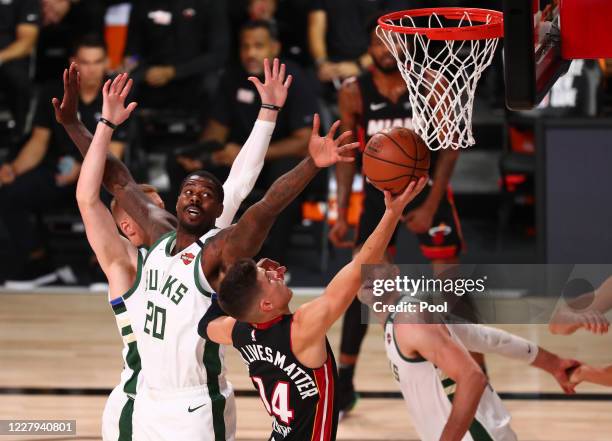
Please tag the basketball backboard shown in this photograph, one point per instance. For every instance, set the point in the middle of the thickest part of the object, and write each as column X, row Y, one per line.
column 541, row 37
column 532, row 51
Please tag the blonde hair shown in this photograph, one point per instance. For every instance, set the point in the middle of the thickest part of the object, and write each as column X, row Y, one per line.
column 116, row 209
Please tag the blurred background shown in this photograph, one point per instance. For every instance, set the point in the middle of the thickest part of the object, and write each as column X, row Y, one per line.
column 190, row 60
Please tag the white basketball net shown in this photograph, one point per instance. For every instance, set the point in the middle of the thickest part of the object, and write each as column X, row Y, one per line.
column 441, row 77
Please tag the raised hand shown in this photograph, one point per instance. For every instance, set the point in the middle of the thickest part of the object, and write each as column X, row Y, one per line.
column 326, row 151
column 66, row 111
column 275, row 87
column 115, row 93
column 397, row 204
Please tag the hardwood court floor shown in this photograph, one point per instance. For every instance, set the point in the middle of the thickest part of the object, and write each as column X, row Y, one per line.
column 70, row 341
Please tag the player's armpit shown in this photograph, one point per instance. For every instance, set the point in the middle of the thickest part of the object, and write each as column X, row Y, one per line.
column 314, row 318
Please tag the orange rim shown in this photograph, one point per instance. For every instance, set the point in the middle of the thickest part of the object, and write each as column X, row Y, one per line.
column 493, row 29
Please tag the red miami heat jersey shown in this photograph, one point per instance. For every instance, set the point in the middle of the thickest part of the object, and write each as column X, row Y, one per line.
column 300, row 399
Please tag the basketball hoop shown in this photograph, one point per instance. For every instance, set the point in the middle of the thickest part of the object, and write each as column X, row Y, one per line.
column 441, row 54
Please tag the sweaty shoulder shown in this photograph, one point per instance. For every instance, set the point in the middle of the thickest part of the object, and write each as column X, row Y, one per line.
column 213, row 263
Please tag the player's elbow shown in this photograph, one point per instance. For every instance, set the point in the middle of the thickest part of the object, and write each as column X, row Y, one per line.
column 474, row 379
column 85, row 198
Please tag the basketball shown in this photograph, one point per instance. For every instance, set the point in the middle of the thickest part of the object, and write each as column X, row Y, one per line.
column 395, row 157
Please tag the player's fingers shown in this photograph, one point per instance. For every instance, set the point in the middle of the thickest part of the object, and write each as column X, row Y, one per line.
column 114, row 83
column 590, row 324
column 130, row 108
column 281, row 74
column 409, row 189
column 316, row 123
column 268, row 264
column 127, row 88
column 73, row 73
column 255, row 81
column 266, row 70
column 288, row 82
column 346, row 159
column 347, row 148
column 121, row 84
column 106, row 88
column 332, row 131
column 345, row 136
column 387, row 196
column 56, row 104
column 257, row 84
column 275, row 68
column 65, row 77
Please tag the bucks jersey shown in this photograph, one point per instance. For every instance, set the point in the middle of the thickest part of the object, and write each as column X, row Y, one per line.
column 429, row 393
column 300, row 399
column 176, row 295
column 131, row 357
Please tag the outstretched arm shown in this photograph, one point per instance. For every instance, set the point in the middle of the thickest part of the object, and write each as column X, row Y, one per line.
column 485, row 339
column 591, row 374
column 249, row 162
column 312, row 320
column 114, row 253
column 117, row 178
column 246, row 237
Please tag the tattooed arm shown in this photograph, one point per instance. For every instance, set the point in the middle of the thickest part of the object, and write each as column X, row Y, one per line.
column 245, row 238
column 117, row 178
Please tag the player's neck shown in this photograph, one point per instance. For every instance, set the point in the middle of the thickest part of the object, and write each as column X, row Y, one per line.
column 272, row 317
column 185, row 238
column 390, row 85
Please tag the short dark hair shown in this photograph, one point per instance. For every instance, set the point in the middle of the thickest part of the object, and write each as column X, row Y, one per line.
column 238, row 290
column 209, row 176
column 372, row 24
column 89, row 40
column 261, row 24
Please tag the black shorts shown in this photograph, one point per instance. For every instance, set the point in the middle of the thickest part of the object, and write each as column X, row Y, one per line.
column 442, row 241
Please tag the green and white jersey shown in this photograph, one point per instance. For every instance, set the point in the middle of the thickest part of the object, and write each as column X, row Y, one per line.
column 428, row 393
column 176, row 295
column 131, row 357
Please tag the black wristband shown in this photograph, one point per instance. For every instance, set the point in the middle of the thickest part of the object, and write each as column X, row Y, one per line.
column 271, row 107
column 108, row 123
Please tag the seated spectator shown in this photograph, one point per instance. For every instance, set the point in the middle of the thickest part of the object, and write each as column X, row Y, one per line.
column 290, row 18
column 43, row 175
column 338, row 38
column 18, row 34
column 233, row 113
column 172, row 50
column 63, row 23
